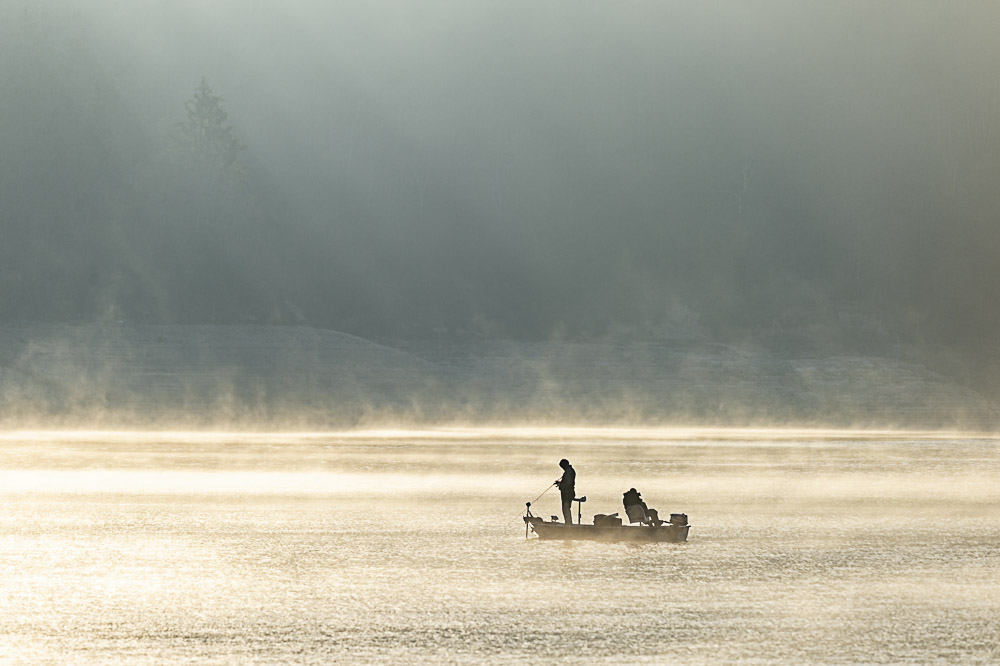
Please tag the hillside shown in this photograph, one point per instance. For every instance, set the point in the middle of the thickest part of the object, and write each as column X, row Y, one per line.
column 258, row 376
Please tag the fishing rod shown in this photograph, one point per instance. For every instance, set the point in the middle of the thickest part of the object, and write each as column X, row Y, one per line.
column 554, row 484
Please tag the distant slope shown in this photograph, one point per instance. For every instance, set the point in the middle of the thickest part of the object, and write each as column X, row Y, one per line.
column 705, row 384
column 299, row 377
column 203, row 375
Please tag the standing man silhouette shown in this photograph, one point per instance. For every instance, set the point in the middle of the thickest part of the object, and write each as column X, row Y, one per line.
column 567, row 488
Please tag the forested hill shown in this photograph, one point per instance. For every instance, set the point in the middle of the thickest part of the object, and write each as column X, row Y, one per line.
column 782, row 176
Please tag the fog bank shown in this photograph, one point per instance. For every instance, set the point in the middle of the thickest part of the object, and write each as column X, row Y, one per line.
column 793, row 179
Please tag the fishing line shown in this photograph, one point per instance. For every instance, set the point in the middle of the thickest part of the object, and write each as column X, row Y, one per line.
column 537, row 498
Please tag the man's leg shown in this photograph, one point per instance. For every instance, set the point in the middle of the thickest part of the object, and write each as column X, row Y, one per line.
column 567, row 504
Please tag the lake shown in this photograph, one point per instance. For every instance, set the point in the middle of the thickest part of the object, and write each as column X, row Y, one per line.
column 408, row 547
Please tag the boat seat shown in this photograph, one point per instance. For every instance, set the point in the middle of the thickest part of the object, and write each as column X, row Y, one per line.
column 636, row 513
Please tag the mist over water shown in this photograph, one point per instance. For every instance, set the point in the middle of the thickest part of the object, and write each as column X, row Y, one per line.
column 749, row 197
column 409, row 548
column 300, row 302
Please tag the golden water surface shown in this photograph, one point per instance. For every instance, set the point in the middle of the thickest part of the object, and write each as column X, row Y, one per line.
column 408, row 547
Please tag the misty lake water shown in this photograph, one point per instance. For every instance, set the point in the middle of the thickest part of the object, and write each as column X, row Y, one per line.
column 409, row 548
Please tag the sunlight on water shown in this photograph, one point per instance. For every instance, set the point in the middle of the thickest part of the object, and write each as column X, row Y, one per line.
column 264, row 483
column 403, row 547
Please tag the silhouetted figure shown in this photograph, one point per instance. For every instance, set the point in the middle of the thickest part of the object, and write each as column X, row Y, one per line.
column 635, row 508
column 567, row 489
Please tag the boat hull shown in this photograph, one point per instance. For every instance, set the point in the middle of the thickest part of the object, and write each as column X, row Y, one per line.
column 665, row 533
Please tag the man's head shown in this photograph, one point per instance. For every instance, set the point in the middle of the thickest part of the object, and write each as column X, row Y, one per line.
column 564, row 463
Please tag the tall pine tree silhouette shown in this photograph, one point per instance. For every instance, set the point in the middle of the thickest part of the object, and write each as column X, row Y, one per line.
column 206, row 136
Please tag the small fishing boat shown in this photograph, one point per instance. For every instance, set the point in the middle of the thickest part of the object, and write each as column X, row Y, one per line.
column 609, row 528
column 665, row 533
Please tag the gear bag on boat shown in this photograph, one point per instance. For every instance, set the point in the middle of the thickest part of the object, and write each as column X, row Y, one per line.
column 601, row 520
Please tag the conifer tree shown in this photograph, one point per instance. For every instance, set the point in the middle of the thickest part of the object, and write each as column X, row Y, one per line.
column 206, row 136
